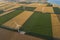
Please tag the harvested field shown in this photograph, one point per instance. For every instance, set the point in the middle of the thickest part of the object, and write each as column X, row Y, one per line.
column 55, row 26
column 36, row 5
column 18, row 20
column 47, row 10
column 38, row 9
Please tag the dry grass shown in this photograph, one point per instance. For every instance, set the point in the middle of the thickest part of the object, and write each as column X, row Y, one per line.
column 55, row 26
column 36, row 5
column 15, row 6
column 47, row 10
column 39, row 9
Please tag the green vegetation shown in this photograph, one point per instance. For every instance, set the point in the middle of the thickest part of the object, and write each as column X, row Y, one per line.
column 25, row 2
column 38, row 23
column 49, row 5
column 9, row 16
column 20, row 8
column 30, row 8
column 56, row 10
column 1, row 11
column 26, row 8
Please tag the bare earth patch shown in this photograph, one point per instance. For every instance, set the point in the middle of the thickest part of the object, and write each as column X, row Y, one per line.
column 19, row 20
column 55, row 26
column 11, row 35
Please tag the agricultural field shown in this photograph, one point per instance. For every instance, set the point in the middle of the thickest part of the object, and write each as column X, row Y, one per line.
column 39, row 20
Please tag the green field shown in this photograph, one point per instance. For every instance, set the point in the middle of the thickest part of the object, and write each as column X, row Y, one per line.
column 49, row 5
column 38, row 24
column 1, row 11
column 27, row 8
column 56, row 10
column 25, row 2
column 30, row 8
column 9, row 16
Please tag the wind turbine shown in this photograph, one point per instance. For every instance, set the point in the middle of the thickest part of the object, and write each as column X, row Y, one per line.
column 21, row 32
column 17, row 25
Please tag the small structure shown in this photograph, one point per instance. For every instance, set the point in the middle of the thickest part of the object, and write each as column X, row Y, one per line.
column 22, row 32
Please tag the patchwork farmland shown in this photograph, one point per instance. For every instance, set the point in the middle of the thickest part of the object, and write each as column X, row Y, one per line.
column 34, row 19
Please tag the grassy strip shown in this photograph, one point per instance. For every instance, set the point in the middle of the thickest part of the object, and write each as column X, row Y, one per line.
column 56, row 10
column 9, row 16
column 30, row 8
column 38, row 23
column 26, row 8
column 25, row 2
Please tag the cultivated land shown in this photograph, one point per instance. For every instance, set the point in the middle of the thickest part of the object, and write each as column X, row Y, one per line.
column 47, row 10
column 38, row 23
column 35, row 19
column 7, row 8
column 9, row 16
column 20, row 20
column 55, row 26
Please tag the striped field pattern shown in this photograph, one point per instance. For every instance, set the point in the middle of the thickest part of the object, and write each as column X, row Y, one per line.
column 38, row 20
